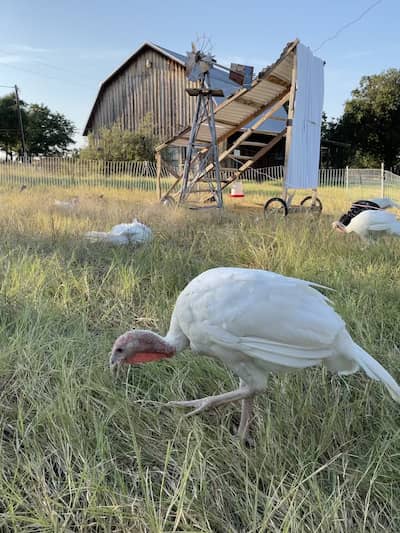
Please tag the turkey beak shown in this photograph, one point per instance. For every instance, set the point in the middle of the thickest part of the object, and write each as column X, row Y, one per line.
column 338, row 227
column 114, row 363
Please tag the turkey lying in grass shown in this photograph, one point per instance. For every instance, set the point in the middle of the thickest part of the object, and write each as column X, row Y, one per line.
column 67, row 205
column 132, row 233
column 368, row 219
column 256, row 323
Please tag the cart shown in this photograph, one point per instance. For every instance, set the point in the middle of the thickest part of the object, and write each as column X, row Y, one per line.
column 282, row 207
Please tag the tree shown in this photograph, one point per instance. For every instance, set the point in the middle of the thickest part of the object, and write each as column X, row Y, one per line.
column 10, row 135
column 334, row 153
column 47, row 133
column 371, row 121
column 117, row 144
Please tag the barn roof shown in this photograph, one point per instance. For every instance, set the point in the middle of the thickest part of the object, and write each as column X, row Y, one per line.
column 219, row 80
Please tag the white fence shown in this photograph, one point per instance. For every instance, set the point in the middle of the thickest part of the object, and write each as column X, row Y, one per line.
column 141, row 176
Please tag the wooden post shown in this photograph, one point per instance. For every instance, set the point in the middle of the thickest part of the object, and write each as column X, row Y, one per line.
column 289, row 127
column 347, row 179
column 21, row 126
column 158, row 175
column 382, row 180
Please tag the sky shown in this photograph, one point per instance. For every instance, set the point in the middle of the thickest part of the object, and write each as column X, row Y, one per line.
column 59, row 51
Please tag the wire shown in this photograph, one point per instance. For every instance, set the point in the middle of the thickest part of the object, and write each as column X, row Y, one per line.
column 339, row 31
column 7, row 86
column 45, row 64
column 63, row 80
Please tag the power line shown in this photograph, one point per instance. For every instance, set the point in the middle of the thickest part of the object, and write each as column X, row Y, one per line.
column 339, row 31
column 63, row 80
column 45, row 64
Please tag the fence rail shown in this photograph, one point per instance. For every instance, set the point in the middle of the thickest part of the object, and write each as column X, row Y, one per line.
column 141, row 175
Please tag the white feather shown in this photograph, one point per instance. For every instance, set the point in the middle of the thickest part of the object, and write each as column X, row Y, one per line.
column 132, row 233
column 372, row 223
column 385, row 203
column 257, row 322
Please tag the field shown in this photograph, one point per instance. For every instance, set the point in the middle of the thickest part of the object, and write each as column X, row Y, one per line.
column 81, row 450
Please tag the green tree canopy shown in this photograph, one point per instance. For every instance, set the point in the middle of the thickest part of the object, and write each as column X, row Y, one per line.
column 10, row 136
column 370, row 124
column 117, row 144
column 46, row 133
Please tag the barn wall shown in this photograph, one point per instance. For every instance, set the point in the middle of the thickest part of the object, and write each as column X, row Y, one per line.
column 139, row 90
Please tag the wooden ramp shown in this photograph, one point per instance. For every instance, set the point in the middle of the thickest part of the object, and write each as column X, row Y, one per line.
column 274, row 86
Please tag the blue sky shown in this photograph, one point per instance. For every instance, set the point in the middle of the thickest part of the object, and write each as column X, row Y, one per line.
column 58, row 51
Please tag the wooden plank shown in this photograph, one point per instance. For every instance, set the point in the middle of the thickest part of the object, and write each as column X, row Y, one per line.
column 278, row 81
column 255, row 158
column 248, row 132
column 158, row 178
column 237, row 127
column 289, row 127
column 265, row 76
column 252, row 143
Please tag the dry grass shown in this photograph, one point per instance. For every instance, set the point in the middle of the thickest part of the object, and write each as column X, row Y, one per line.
column 80, row 451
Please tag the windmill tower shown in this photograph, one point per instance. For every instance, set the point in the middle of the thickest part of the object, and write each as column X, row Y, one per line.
column 199, row 156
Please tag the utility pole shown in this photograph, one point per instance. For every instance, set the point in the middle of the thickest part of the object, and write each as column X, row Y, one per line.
column 21, row 126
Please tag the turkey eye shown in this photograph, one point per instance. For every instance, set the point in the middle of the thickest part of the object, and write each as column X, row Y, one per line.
column 119, row 350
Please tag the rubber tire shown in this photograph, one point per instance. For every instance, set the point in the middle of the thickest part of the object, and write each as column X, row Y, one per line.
column 317, row 202
column 168, row 201
column 279, row 200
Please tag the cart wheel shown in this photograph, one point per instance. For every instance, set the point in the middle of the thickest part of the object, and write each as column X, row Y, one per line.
column 168, row 201
column 317, row 207
column 275, row 206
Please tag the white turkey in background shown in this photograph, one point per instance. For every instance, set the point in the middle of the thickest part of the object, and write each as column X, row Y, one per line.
column 368, row 219
column 67, row 205
column 385, row 203
column 125, row 233
column 369, row 224
column 255, row 322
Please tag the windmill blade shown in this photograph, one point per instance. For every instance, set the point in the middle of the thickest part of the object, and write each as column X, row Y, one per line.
column 192, row 64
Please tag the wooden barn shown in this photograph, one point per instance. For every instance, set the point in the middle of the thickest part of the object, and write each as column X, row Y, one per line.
column 152, row 80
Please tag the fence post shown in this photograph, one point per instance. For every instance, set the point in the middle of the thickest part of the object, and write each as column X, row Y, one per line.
column 347, row 179
column 158, row 175
column 382, row 180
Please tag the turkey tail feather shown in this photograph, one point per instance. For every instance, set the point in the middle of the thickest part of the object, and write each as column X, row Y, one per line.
column 375, row 370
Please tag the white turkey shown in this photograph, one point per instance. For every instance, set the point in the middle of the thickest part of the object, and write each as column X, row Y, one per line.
column 368, row 219
column 67, row 205
column 256, row 323
column 131, row 233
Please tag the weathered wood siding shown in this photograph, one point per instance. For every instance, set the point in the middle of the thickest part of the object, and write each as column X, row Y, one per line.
column 138, row 90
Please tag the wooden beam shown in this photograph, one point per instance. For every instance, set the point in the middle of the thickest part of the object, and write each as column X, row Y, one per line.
column 282, row 96
column 251, row 143
column 255, row 158
column 261, row 152
column 247, row 133
column 266, row 75
column 278, row 81
column 177, row 177
column 289, row 127
column 158, row 177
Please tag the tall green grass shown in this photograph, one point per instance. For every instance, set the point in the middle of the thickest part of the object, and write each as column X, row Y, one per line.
column 83, row 451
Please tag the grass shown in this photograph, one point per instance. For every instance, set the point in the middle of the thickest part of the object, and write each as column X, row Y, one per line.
column 81, row 451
